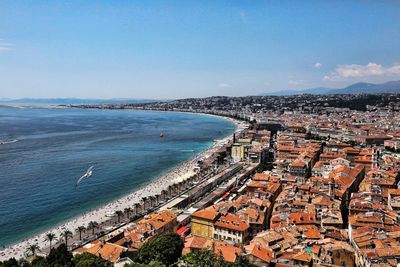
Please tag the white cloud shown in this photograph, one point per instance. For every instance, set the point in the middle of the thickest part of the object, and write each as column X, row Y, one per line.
column 326, row 78
column 5, row 46
column 224, row 85
column 361, row 71
column 317, row 65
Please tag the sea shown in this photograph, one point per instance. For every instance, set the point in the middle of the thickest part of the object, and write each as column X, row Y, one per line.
column 44, row 151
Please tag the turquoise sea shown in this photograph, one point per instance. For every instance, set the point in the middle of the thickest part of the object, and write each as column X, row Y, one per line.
column 55, row 147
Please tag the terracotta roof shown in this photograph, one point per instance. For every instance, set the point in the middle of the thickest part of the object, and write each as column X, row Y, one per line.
column 232, row 222
column 159, row 219
column 107, row 251
column 209, row 214
column 259, row 251
column 261, row 177
column 229, row 252
column 197, row 242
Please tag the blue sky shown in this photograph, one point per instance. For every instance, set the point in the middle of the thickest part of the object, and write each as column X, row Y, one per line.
column 176, row 49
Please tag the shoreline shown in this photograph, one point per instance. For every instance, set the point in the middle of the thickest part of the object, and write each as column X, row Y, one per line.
column 178, row 173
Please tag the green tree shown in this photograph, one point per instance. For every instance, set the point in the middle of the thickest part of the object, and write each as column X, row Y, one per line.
column 206, row 258
column 50, row 237
column 90, row 260
column 150, row 264
column 93, row 225
column 39, row 262
column 165, row 248
column 242, row 261
column 9, row 263
column 80, row 229
column 128, row 212
column 32, row 249
column 203, row 258
column 67, row 234
column 119, row 215
column 59, row 257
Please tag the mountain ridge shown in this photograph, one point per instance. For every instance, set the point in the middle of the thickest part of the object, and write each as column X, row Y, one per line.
column 356, row 88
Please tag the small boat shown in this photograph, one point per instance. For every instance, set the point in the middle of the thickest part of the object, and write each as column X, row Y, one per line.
column 161, row 135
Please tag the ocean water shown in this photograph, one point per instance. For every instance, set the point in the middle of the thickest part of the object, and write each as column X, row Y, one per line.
column 56, row 146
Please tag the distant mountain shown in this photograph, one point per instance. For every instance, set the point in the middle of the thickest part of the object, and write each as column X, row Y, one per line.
column 357, row 88
column 72, row 101
column 369, row 88
column 311, row 91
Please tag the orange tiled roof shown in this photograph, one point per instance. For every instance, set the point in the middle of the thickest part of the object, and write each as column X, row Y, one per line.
column 229, row 252
column 107, row 251
column 209, row 214
column 232, row 222
column 159, row 219
column 259, row 251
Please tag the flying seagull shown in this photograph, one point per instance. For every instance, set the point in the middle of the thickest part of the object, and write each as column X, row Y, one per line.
column 86, row 175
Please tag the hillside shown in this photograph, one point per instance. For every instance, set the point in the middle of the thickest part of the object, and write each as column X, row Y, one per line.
column 357, row 88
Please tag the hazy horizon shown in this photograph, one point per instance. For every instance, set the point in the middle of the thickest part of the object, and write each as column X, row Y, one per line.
column 176, row 49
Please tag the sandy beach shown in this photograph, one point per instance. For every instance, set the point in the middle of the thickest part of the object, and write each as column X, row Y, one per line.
column 179, row 173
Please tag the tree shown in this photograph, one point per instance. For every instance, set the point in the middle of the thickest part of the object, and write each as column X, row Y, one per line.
column 165, row 248
column 37, row 262
column 119, row 215
column 59, row 257
column 128, row 212
column 144, row 200
column 90, row 260
column 242, row 261
column 204, row 258
column 164, row 194
column 137, row 206
column 150, row 264
column 80, row 229
column 9, row 263
column 50, row 237
column 67, row 234
column 208, row 258
column 93, row 225
column 33, row 249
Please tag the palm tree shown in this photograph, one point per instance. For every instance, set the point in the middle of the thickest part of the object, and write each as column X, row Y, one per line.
column 32, row 249
column 164, row 194
column 170, row 190
column 93, row 225
column 152, row 198
column 128, row 212
column 80, row 229
column 137, row 206
column 50, row 237
column 158, row 198
column 67, row 234
column 144, row 199
column 119, row 215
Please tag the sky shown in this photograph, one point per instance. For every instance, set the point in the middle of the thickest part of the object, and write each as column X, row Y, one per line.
column 178, row 49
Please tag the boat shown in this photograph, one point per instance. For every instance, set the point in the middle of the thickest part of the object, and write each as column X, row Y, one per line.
column 161, row 135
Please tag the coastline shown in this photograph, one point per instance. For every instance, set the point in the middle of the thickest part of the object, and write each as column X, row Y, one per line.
column 152, row 187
